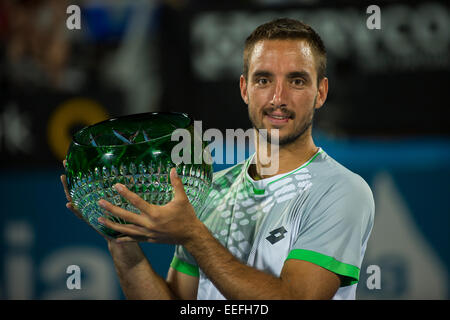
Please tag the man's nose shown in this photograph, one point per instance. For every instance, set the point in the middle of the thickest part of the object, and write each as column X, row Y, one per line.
column 279, row 95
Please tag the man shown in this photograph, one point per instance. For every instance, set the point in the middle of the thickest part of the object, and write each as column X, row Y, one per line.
column 299, row 233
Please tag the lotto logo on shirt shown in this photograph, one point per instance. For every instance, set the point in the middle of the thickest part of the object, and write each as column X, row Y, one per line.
column 276, row 235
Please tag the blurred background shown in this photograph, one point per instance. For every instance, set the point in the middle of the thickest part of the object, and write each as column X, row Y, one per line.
column 384, row 119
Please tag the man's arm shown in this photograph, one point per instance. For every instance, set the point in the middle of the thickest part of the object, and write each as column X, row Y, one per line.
column 137, row 278
column 176, row 222
column 298, row 279
column 184, row 285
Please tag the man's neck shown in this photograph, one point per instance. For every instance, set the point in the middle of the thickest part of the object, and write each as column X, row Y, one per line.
column 289, row 158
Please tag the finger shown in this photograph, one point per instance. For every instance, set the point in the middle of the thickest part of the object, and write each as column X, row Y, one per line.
column 128, row 239
column 66, row 188
column 125, row 229
column 124, row 239
column 126, row 215
column 64, row 163
column 177, row 184
column 69, row 205
column 133, row 198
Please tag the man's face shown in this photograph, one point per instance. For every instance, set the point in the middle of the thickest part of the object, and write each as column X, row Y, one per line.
column 281, row 90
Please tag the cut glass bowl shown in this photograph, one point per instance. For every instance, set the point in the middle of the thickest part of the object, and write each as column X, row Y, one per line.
column 136, row 151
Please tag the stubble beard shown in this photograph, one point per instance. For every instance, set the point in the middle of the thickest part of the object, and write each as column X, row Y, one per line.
column 299, row 131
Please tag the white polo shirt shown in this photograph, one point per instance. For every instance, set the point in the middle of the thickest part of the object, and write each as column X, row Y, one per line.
column 320, row 212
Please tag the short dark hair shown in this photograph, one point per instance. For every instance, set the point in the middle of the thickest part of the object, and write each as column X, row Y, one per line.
column 287, row 29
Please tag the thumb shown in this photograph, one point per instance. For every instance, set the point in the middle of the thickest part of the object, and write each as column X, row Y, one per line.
column 177, row 185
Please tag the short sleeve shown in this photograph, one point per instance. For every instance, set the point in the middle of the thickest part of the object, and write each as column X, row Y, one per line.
column 184, row 262
column 334, row 230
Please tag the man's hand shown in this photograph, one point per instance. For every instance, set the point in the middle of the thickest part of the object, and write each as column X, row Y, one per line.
column 174, row 223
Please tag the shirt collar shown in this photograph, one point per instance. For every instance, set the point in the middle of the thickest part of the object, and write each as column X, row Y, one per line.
column 258, row 187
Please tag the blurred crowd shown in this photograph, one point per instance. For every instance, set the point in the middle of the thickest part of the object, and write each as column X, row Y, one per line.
column 36, row 48
column 113, row 49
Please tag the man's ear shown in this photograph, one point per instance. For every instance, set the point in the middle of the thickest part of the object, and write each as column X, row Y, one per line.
column 243, row 87
column 322, row 93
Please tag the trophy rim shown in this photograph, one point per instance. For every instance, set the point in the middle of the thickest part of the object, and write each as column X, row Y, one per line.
column 130, row 117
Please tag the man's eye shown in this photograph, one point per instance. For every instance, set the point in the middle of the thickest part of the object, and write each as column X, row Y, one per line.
column 263, row 81
column 298, row 82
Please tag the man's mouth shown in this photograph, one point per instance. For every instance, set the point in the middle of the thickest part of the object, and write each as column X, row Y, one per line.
column 277, row 117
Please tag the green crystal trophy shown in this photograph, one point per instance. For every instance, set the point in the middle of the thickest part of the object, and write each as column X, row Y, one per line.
column 136, row 151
